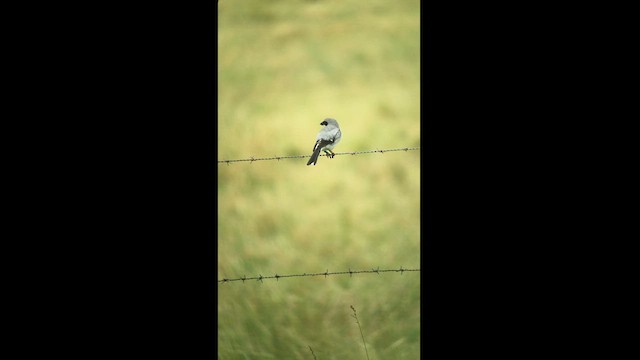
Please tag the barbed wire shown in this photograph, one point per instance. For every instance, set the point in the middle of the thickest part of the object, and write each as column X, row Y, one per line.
column 325, row 274
column 252, row 159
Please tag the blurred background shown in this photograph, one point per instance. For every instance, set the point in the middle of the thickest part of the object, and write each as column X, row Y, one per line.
column 283, row 67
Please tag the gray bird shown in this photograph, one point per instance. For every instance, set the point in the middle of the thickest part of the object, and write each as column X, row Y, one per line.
column 328, row 137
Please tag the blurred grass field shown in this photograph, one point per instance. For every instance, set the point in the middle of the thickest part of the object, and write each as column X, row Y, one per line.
column 284, row 66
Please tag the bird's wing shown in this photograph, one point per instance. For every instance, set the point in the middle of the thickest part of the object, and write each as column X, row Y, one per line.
column 321, row 143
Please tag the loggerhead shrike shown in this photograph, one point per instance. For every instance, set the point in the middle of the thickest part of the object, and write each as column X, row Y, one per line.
column 328, row 137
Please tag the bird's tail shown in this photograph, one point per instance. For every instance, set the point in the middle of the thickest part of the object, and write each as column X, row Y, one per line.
column 314, row 157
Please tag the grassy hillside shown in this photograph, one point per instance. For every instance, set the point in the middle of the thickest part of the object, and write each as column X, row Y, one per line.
column 283, row 67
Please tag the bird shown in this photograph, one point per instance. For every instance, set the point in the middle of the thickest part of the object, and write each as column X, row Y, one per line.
column 328, row 137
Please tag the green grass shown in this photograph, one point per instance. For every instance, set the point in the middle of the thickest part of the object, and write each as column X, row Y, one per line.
column 284, row 66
